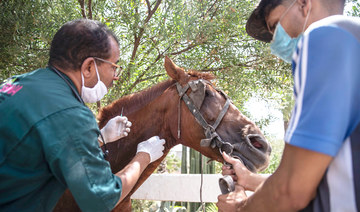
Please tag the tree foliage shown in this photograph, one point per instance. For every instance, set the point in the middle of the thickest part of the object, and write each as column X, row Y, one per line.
column 206, row 35
column 27, row 27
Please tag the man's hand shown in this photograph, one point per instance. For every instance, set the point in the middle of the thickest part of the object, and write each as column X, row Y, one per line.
column 238, row 172
column 154, row 146
column 231, row 201
column 237, row 169
column 116, row 128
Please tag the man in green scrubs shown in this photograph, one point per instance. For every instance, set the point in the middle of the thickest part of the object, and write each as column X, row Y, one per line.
column 49, row 138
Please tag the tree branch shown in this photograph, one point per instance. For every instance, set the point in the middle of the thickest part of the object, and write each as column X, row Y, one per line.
column 90, row 9
column 210, row 9
column 151, row 77
column 151, row 11
column 82, row 6
column 148, row 5
column 186, row 49
column 226, row 67
column 138, row 80
column 138, row 37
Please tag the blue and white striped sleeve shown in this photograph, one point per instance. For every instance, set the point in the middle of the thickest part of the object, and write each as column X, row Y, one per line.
column 326, row 85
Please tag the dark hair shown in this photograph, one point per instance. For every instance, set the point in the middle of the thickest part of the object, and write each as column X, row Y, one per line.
column 77, row 40
column 256, row 24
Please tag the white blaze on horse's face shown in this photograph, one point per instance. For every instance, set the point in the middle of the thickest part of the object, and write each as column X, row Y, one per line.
column 224, row 126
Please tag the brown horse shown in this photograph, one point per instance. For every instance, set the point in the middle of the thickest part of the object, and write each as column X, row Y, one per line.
column 156, row 111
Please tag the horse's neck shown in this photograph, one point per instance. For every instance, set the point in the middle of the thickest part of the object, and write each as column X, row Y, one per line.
column 146, row 123
column 149, row 122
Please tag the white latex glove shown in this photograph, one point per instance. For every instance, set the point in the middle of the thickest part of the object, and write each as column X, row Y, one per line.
column 116, row 128
column 154, row 146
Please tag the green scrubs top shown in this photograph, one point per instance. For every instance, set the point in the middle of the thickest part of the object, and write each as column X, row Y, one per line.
column 48, row 142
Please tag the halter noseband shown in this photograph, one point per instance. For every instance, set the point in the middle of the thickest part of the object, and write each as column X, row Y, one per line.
column 212, row 138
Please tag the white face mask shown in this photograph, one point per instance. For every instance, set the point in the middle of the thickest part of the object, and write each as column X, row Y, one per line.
column 94, row 94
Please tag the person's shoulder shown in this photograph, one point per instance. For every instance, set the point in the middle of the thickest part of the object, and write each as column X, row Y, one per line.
column 340, row 21
column 36, row 79
column 70, row 121
column 338, row 27
column 45, row 85
column 39, row 94
column 36, row 74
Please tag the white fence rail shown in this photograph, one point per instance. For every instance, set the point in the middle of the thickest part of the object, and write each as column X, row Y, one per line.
column 180, row 188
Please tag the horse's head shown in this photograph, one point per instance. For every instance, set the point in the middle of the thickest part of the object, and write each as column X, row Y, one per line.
column 209, row 123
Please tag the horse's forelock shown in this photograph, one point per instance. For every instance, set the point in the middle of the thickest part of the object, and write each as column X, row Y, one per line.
column 201, row 75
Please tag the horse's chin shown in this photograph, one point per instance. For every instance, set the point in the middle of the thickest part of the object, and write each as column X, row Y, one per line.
column 254, row 152
column 249, row 164
column 253, row 166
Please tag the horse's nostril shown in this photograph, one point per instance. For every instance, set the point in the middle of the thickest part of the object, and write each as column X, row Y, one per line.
column 256, row 141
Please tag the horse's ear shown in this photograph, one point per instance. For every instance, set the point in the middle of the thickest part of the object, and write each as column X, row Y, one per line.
column 175, row 72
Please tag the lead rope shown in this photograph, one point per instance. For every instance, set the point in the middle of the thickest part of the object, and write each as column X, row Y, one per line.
column 201, row 183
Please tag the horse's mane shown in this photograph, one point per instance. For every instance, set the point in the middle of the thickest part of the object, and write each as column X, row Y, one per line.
column 134, row 102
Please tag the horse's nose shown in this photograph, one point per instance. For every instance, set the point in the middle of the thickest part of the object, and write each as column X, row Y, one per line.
column 259, row 142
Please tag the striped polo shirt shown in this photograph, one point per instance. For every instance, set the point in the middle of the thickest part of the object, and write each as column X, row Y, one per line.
column 326, row 115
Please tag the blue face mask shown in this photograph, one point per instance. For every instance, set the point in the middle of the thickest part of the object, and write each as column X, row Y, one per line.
column 282, row 44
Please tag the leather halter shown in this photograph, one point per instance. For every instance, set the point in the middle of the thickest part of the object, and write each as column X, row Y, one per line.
column 212, row 137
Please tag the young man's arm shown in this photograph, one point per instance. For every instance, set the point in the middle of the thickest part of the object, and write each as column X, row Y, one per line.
column 247, row 179
column 290, row 188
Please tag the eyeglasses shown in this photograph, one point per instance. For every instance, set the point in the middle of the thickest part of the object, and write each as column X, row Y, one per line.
column 117, row 69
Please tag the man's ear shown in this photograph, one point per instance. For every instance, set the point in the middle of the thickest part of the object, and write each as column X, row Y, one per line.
column 87, row 66
column 305, row 6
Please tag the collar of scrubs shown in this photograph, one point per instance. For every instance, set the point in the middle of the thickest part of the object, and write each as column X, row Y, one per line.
column 72, row 87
